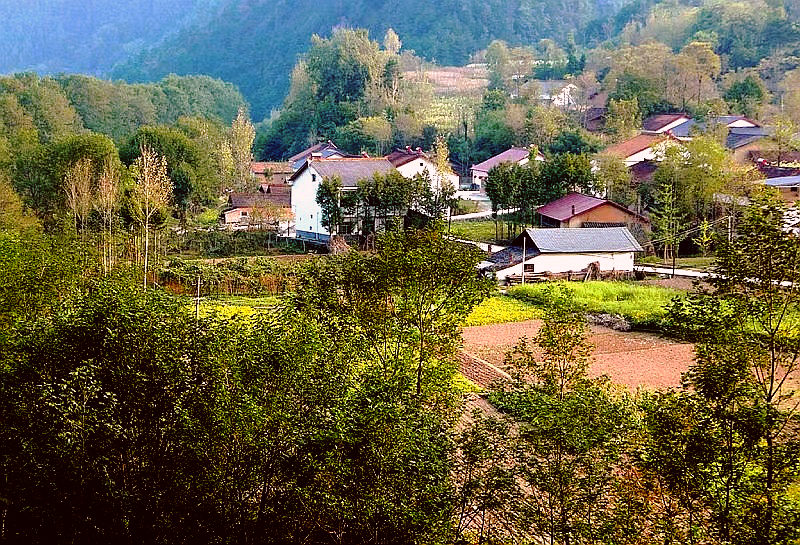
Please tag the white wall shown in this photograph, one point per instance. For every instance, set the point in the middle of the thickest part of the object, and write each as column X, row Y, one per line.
column 418, row 166
column 560, row 263
column 648, row 154
column 307, row 213
column 676, row 123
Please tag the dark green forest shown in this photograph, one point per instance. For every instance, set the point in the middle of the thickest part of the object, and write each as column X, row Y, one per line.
column 277, row 32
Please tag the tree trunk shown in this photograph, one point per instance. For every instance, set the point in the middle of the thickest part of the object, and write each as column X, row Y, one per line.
column 146, row 248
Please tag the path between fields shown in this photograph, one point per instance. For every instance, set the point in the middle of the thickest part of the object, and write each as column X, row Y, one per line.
column 632, row 359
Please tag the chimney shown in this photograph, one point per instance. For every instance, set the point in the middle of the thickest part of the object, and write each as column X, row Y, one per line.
column 419, row 150
column 364, row 154
column 316, row 156
column 408, row 149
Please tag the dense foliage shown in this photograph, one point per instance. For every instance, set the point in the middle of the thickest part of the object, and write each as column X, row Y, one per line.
column 326, row 419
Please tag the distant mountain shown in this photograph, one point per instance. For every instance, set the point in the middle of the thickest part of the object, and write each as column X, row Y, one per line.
column 255, row 43
column 88, row 36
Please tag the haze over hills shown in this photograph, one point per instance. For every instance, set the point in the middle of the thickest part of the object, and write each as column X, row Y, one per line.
column 87, row 36
column 255, row 43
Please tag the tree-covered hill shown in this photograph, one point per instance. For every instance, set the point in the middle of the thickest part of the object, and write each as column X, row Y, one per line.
column 255, row 43
column 51, row 36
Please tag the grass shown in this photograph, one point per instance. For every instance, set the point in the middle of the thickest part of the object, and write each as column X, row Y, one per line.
column 640, row 304
column 478, row 230
column 501, row 309
column 693, row 263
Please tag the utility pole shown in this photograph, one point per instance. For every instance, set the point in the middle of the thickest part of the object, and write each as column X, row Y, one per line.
column 523, row 258
column 197, row 301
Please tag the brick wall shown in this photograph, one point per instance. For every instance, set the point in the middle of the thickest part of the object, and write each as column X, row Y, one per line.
column 480, row 372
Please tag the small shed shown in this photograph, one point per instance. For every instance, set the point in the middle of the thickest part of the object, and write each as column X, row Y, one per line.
column 557, row 251
column 579, row 210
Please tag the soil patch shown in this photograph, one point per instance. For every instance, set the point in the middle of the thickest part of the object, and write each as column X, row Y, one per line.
column 634, row 359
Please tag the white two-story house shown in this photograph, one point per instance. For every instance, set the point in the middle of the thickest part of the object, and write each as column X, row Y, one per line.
column 305, row 182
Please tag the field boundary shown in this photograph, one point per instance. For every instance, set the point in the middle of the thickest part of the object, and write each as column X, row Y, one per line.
column 479, row 371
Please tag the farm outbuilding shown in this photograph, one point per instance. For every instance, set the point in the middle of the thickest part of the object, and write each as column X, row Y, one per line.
column 555, row 251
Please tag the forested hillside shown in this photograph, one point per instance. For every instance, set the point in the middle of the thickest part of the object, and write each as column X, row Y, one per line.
column 51, row 36
column 255, row 43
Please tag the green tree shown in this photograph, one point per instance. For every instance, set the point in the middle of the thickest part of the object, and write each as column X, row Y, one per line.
column 242, row 135
column 575, row 142
column 623, row 118
column 614, row 178
column 784, row 136
column 570, row 436
column 566, row 172
column 745, row 357
column 328, row 197
column 151, row 194
column 746, row 96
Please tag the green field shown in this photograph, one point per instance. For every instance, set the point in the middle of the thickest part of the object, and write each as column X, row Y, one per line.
column 639, row 304
column 477, row 230
column 693, row 263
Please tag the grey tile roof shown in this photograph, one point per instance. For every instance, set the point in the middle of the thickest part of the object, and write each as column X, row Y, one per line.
column 783, row 181
column 351, row 171
column 590, row 239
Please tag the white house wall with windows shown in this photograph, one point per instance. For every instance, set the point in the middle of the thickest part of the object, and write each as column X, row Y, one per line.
column 306, row 181
column 410, row 162
column 350, row 170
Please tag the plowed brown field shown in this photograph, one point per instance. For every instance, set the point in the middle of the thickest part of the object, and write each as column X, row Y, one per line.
column 633, row 359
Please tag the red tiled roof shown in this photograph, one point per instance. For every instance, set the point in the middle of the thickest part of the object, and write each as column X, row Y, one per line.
column 513, row 155
column 260, row 167
column 400, row 157
column 634, row 145
column 275, row 188
column 308, row 151
column 643, row 171
column 573, row 204
column 659, row 121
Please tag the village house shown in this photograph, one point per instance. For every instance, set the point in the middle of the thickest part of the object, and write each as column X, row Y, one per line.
column 269, row 208
column 305, row 182
column 787, row 186
column 579, row 210
column 640, row 148
column 410, row 162
column 664, row 123
column 555, row 251
column 270, row 173
column 743, row 134
column 326, row 150
column 480, row 172
column 557, row 93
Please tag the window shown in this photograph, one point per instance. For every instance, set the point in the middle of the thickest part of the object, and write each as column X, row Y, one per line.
column 529, row 267
column 313, row 177
column 421, row 164
column 796, row 189
column 244, row 213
